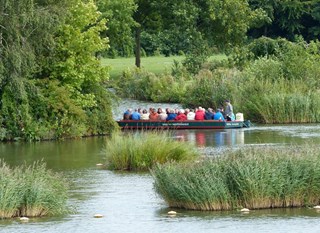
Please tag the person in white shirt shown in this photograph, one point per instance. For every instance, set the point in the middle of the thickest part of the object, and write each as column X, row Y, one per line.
column 191, row 115
column 144, row 115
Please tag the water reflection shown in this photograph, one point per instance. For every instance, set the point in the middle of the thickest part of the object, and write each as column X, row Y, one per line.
column 216, row 138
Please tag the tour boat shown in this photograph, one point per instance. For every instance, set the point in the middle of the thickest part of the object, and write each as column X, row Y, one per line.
column 193, row 124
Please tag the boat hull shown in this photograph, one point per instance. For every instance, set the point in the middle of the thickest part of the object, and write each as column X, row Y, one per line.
column 206, row 124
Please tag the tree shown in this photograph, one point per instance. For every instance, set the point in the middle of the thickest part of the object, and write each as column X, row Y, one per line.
column 50, row 79
column 120, row 23
column 26, row 35
column 288, row 18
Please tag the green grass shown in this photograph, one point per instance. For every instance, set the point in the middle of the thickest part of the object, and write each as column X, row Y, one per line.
column 142, row 150
column 253, row 178
column 31, row 191
column 155, row 65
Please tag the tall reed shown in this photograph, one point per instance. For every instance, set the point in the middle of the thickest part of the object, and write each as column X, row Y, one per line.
column 31, row 191
column 142, row 150
column 251, row 177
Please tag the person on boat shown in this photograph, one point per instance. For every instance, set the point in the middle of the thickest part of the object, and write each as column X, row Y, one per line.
column 190, row 115
column 162, row 115
column 145, row 115
column 199, row 115
column 171, row 116
column 135, row 115
column 181, row 116
column 209, row 114
column 127, row 114
column 153, row 114
column 228, row 112
column 218, row 115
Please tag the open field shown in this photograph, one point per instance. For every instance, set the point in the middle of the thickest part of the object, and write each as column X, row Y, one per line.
column 153, row 64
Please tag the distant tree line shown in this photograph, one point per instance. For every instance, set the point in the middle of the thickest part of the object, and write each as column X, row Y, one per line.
column 153, row 27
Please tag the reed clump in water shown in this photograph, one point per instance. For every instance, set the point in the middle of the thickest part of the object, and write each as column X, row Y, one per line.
column 31, row 191
column 254, row 178
column 142, row 150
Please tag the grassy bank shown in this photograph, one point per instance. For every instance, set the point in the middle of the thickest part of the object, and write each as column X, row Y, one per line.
column 156, row 65
column 31, row 191
column 142, row 150
column 253, row 178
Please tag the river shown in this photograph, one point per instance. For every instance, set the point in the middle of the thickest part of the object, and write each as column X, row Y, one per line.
column 127, row 200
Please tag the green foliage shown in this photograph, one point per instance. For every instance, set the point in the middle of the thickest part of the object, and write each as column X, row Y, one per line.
column 143, row 85
column 142, row 150
column 119, row 22
column 282, row 89
column 254, row 178
column 32, row 191
column 210, row 89
column 49, row 75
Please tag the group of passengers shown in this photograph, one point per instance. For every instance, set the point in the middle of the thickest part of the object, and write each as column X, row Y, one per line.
column 181, row 114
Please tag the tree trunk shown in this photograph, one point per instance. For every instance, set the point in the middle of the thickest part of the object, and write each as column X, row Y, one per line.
column 138, row 47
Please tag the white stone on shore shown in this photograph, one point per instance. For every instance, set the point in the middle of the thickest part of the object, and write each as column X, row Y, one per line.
column 245, row 210
column 172, row 212
column 317, row 207
column 99, row 164
column 98, row 216
column 24, row 219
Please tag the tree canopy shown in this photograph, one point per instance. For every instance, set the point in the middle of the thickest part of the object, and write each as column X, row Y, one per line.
column 50, row 78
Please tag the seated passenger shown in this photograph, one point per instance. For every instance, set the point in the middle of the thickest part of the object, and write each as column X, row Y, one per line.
column 209, row 114
column 127, row 114
column 162, row 115
column 199, row 114
column 153, row 114
column 171, row 116
column 135, row 115
column 181, row 116
column 190, row 115
column 218, row 115
column 145, row 115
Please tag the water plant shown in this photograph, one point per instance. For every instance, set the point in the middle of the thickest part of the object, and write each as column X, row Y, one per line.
column 254, row 178
column 31, row 191
column 141, row 150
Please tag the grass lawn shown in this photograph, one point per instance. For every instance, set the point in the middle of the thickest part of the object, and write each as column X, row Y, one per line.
column 156, row 65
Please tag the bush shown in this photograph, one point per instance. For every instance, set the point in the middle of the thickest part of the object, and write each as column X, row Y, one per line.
column 211, row 89
column 31, row 191
column 142, row 85
column 254, row 178
column 142, row 150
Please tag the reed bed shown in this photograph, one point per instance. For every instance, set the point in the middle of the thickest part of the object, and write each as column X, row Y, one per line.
column 32, row 191
column 142, row 150
column 253, row 178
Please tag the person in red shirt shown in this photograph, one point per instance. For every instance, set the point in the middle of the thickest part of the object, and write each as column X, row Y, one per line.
column 181, row 116
column 200, row 114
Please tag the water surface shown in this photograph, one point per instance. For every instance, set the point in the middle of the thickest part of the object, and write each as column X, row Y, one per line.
column 128, row 201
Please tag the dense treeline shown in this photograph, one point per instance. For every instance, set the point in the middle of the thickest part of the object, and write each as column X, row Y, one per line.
column 175, row 27
column 50, row 79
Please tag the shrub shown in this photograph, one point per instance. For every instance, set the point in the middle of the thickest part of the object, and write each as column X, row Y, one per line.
column 143, row 85
column 142, row 150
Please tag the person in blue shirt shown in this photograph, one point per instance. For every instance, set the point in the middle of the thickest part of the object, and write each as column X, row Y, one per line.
column 218, row 115
column 135, row 115
column 171, row 116
column 127, row 114
column 209, row 114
